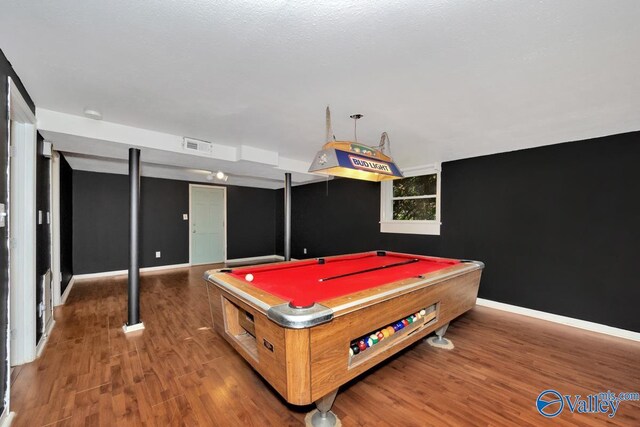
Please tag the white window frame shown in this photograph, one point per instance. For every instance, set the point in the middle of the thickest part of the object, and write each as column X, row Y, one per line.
column 389, row 225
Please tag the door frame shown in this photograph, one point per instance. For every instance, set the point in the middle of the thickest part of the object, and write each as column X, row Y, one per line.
column 54, row 227
column 22, row 229
column 224, row 192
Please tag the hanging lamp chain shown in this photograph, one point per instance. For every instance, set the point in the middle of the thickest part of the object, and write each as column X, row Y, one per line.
column 385, row 142
column 355, row 118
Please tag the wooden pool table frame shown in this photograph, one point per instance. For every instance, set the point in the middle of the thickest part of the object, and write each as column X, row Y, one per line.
column 307, row 364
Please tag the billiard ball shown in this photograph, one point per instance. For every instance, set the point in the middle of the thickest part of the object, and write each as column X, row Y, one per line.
column 355, row 349
column 249, row 277
column 362, row 345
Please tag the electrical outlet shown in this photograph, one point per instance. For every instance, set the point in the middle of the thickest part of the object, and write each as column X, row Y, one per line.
column 304, row 251
column 185, row 217
column 157, row 254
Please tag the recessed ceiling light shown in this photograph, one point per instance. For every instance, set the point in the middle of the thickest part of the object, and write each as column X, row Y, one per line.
column 93, row 114
column 217, row 175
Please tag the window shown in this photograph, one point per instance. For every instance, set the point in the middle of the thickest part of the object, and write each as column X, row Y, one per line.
column 412, row 204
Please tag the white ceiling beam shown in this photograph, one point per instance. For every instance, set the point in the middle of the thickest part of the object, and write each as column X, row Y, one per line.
column 54, row 121
column 292, row 165
column 259, row 155
column 106, row 139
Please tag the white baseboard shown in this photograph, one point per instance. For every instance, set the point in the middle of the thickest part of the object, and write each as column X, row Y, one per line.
column 40, row 347
column 7, row 418
column 563, row 320
column 163, row 267
column 125, row 272
column 67, row 291
column 255, row 259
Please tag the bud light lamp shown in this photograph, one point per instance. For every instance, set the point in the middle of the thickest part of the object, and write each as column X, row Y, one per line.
column 354, row 160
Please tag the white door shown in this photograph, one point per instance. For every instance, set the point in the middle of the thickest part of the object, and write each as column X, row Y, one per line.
column 207, row 224
column 22, row 230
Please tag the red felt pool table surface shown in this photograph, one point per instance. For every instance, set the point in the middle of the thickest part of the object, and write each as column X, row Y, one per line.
column 300, row 282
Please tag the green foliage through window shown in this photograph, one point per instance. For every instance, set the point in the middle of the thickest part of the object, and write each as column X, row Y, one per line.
column 424, row 185
column 414, row 198
column 414, row 210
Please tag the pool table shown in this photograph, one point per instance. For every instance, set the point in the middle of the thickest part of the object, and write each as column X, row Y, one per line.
column 310, row 326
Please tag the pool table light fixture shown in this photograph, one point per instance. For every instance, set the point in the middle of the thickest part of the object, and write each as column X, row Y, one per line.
column 355, row 160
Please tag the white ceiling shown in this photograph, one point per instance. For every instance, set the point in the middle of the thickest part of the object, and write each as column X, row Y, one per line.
column 446, row 79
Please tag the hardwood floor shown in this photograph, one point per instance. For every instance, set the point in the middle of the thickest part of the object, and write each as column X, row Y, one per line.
column 179, row 372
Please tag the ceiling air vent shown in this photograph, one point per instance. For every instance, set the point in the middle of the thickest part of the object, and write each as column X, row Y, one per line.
column 197, row 146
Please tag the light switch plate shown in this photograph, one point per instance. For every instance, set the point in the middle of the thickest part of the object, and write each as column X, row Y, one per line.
column 157, row 254
column 185, row 217
column 39, row 217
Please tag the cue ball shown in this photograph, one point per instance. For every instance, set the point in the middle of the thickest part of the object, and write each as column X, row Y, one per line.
column 249, row 277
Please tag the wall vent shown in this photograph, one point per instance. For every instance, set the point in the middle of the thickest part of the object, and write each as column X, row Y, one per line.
column 197, row 146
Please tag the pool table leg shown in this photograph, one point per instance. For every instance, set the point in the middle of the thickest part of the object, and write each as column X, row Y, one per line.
column 440, row 333
column 324, row 417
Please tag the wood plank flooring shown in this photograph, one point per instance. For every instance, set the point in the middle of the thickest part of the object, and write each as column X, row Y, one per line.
column 179, row 372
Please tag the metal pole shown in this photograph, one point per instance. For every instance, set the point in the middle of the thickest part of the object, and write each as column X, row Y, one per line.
column 134, row 237
column 287, row 217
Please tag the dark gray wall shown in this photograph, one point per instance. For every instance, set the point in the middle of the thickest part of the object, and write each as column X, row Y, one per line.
column 163, row 202
column 100, row 222
column 558, row 227
column 251, row 217
column 66, row 223
column 341, row 216
column 5, row 71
